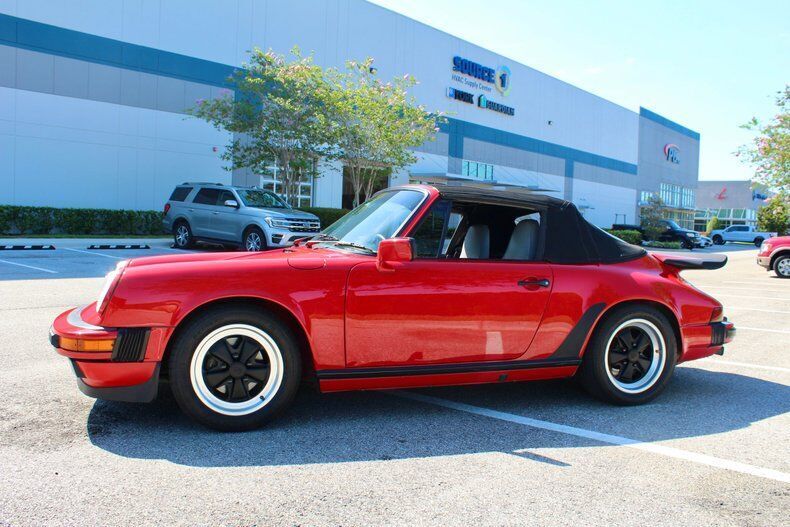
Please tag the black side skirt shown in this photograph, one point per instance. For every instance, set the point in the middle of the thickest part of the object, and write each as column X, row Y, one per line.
column 438, row 369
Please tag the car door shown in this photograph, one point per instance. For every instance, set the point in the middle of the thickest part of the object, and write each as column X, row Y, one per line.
column 666, row 234
column 436, row 311
column 200, row 212
column 225, row 221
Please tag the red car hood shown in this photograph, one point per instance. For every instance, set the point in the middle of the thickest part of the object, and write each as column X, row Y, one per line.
column 779, row 240
column 299, row 257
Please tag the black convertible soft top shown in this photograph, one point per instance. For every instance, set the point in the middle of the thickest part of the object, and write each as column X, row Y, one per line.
column 568, row 237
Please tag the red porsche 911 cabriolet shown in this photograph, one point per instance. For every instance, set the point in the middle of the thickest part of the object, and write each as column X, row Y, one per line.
column 419, row 286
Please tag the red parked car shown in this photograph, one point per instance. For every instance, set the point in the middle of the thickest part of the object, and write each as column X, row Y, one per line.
column 774, row 255
column 419, row 286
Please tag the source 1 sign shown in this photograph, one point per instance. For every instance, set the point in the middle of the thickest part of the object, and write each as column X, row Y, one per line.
column 475, row 76
column 473, row 69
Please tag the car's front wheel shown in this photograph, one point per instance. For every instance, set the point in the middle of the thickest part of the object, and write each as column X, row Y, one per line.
column 254, row 240
column 234, row 368
column 718, row 240
column 631, row 356
column 782, row 266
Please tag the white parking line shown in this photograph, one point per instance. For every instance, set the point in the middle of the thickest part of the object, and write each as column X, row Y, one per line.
column 653, row 448
column 30, row 267
column 738, row 364
column 755, row 282
column 738, row 328
column 93, row 253
column 182, row 251
column 749, row 297
column 741, row 308
column 740, row 288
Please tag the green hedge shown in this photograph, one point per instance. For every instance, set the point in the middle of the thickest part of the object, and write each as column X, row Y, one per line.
column 16, row 220
column 664, row 245
column 326, row 215
column 47, row 220
column 629, row 236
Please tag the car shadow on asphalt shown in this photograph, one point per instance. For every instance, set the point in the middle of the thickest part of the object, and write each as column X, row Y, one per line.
column 366, row 426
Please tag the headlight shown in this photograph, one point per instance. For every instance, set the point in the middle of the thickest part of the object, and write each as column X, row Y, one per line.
column 274, row 222
column 110, row 283
column 765, row 247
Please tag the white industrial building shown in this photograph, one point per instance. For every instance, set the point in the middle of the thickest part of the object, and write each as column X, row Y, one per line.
column 93, row 96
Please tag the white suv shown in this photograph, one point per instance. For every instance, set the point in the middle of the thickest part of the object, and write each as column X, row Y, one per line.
column 248, row 217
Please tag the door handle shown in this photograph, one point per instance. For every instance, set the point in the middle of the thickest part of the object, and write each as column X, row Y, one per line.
column 191, row 210
column 215, row 213
column 540, row 283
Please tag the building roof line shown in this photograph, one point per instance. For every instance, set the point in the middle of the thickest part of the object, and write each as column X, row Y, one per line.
column 653, row 116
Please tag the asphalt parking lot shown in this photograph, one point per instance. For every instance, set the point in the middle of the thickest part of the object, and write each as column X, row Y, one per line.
column 714, row 449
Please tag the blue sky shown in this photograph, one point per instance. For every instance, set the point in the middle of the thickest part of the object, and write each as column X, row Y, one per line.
column 709, row 65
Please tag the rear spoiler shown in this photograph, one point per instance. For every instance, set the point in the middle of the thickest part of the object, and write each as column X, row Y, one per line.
column 681, row 261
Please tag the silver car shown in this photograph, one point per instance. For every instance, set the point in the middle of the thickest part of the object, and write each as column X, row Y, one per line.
column 248, row 217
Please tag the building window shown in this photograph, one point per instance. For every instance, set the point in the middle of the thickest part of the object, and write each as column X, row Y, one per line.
column 477, row 170
column 304, row 193
column 677, row 196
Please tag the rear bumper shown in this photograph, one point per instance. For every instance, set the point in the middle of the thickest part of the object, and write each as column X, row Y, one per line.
column 129, row 372
column 705, row 340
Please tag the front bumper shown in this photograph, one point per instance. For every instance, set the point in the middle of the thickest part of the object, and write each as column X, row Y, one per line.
column 127, row 372
column 706, row 339
column 764, row 261
column 285, row 238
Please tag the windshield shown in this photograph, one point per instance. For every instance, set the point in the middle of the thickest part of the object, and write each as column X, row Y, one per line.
column 672, row 225
column 261, row 199
column 377, row 219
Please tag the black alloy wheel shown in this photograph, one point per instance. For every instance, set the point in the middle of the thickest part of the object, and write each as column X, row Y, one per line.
column 236, row 369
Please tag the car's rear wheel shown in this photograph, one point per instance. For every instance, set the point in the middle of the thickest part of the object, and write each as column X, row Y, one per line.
column 758, row 241
column 234, row 368
column 782, row 266
column 687, row 244
column 631, row 356
column 254, row 240
column 182, row 235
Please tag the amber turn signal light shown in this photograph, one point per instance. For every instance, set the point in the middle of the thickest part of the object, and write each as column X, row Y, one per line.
column 86, row 345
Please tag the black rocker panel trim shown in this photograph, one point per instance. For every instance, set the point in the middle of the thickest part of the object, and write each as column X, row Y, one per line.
column 571, row 347
column 437, row 369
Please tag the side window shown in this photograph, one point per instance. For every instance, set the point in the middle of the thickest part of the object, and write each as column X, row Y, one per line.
column 207, row 196
column 430, row 235
column 224, row 196
column 180, row 193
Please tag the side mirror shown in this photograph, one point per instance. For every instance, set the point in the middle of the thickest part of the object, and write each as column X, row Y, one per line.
column 393, row 252
column 232, row 203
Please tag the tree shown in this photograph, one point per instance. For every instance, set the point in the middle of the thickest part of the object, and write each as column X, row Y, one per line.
column 651, row 215
column 775, row 215
column 769, row 153
column 375, row 124
column 713, row 224
column 276, row 115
